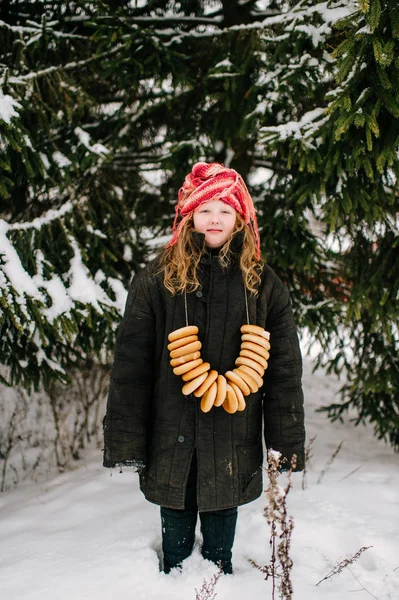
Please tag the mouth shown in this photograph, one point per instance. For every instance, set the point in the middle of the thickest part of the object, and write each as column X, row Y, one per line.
column 214, row 230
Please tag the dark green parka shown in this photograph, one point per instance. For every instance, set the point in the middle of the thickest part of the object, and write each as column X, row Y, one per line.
column 148, row 419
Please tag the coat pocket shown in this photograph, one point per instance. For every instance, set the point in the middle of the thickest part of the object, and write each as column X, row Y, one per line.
column 250, row 461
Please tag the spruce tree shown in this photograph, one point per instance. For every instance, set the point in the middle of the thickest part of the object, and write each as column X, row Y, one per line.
column 341, row 144
column 109, row 104
column 69, row 242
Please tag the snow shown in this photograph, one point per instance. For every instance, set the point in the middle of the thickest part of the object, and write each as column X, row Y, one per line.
column 51, row 215
column 120, row 293
column 83, row 288
column 84, row 139
column 304, row 128
column 86, row 535
column 8, row 107
column 61, row 160
column 13, row 268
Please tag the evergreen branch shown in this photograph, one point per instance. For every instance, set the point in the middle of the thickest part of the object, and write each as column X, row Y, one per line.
column 306, row 127
column 169, row 20
column 133, row 168
column 264, row 14
column 306, row 307
column 270, row 17
column 138, row 160
column 48, row 217
column 217, row 19
column 54, row 68
column 143, row 20
column 38, row 29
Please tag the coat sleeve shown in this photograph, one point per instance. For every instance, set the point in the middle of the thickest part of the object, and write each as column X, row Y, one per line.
column 283, row 396
column 129, row 400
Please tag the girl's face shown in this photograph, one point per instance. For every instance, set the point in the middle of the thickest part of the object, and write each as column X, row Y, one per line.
column 216, row 220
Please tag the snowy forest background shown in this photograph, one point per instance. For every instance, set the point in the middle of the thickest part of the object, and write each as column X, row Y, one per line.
column 104, row 106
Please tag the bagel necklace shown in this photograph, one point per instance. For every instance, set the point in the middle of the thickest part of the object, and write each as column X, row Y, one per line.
column 228, row 390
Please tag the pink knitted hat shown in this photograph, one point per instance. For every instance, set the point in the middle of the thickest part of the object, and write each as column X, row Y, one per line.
column 213, row 181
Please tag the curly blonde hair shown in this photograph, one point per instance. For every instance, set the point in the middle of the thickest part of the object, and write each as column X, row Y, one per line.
column 179, row 263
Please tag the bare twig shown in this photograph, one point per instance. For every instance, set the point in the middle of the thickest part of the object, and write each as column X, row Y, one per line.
column 351, row 473
column 343, row 564
column 360, row 583
column 279, row 568
column 11, row 439
column 330, row 462
column 308, row 457
column 265, row 569
column 207, row 590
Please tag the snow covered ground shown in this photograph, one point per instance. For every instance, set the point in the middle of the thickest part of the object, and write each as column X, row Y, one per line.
column 84, row 535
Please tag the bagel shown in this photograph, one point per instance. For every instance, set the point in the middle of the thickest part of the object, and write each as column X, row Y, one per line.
column 251, row 383
column 196, row 372
column 193, row 347
column 208, row 398
column 240, row 397
column 221, row 395
column 254, row 347
column 212, row 376
column 182, row 342
column 230, row 405
column 238, row 381
column 256, row 330
column 181, row 369
column 259, row 359
column 243, row 360
column 175, row 362
column 255, row 376
column 183, row 332
column 256, row 339
column 192, row 385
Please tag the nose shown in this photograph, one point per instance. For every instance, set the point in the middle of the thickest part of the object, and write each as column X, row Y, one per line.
column 214, row 218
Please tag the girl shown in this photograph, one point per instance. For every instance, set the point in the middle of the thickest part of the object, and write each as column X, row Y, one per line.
column 178, row 409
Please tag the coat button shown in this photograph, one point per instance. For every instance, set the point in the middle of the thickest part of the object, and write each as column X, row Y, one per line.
column 198, row 294
column 180, row 438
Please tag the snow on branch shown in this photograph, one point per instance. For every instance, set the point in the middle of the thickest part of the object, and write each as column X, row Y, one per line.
column 38, row 27
column 306, row 127
column 48, row 217
column 57, row 294
column 329, row 16
column 8, row 106
column 83, row 288
column 147, row 20
column 20, row 79
column 184, row 20
column 84, row 139
column 12, row 270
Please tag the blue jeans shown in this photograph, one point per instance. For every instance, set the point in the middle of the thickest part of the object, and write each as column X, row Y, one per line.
column 178, row 530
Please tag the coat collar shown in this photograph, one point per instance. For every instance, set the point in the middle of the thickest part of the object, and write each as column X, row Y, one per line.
column 235, row 246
